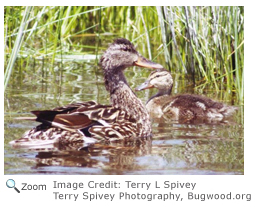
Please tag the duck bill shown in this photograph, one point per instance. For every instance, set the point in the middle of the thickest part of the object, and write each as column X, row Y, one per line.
column 145, row 85
column 145, row 63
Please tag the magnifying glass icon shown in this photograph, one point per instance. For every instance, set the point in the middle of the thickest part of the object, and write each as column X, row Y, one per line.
column 11, row 184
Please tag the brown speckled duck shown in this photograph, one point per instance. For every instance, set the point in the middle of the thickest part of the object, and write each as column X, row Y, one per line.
column 185, row 106
column 90, row 122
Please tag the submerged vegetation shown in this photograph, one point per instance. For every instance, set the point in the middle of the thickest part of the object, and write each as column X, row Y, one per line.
column 204, row 43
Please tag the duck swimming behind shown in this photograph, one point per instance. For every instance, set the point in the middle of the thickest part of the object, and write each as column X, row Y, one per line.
column 185, row 106
column 87, row 122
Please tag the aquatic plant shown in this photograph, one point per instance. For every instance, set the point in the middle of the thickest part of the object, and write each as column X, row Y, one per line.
column 204, row 43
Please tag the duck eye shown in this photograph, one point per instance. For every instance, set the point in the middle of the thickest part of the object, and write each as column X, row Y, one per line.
column 127, row 49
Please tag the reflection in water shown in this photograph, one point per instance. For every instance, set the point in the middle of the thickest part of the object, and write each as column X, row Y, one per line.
column 214, row 146
column 115, row 155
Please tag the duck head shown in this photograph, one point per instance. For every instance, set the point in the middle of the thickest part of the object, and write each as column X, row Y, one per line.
column 160, row 79
column 120, row 55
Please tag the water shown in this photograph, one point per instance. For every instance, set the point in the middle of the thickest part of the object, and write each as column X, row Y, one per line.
column 176, row 148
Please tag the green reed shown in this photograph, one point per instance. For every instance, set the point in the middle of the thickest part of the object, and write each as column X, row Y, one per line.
column 204, row 43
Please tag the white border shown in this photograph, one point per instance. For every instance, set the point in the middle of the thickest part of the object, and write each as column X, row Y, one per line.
column 237, row 184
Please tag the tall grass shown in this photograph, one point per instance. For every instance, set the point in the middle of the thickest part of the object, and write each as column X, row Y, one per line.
column 17, row 45
column 204, row 43
column 210, row 41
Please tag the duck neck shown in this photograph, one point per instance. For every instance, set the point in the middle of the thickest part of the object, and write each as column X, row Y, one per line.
column 123, row 97
column 161, row 92
column 113, row 78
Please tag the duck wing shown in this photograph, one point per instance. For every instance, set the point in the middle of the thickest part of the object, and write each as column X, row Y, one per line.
column 71, row 117
column 78, row 122
column 195, row 106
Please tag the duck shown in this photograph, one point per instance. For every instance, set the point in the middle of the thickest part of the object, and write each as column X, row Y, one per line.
column 90, row 122
column 180, row 107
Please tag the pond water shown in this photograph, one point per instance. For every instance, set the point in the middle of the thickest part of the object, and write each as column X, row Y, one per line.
column 176, row 148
